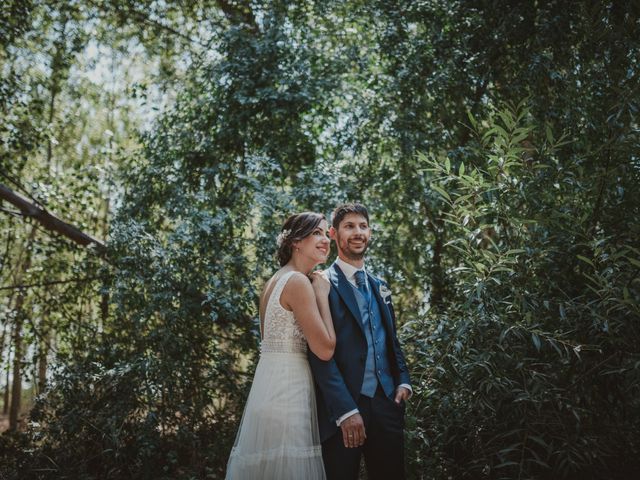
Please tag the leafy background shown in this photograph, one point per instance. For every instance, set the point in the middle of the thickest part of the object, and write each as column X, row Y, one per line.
column 496, row 144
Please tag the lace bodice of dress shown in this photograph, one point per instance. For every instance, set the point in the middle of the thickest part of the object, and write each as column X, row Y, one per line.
column 281, row 330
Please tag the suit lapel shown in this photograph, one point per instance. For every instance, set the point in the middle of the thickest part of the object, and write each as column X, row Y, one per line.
column 386, row 314
column 345, row 290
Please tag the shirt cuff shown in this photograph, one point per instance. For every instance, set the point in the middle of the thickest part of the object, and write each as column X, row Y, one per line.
column 347, row 415
column 408, row 387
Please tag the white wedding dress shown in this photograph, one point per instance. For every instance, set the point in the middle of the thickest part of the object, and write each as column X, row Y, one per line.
column 278, row 437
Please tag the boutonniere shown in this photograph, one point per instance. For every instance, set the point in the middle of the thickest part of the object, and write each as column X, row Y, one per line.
column 385, row 293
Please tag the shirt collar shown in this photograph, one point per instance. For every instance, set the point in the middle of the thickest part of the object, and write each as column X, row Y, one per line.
column 348, row 269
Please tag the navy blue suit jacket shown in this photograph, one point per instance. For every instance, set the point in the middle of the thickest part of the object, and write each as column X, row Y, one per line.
column 339, row 380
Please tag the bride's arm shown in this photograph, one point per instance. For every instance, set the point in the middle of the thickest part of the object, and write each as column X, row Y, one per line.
column 321, row 286
column 312, row 313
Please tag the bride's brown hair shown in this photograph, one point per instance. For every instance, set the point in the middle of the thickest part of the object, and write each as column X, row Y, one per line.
column 296, row 228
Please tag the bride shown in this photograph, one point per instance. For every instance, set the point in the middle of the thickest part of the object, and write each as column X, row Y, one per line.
column 278, row 436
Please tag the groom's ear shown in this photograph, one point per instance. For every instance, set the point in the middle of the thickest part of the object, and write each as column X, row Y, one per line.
column 332, row 233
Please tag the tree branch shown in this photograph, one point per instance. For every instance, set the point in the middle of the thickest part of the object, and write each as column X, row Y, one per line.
column 49, row 221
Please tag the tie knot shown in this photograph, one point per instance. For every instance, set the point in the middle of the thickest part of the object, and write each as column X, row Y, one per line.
column 360, row 278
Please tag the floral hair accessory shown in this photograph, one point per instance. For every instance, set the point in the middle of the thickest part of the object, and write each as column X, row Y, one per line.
column 282, row 237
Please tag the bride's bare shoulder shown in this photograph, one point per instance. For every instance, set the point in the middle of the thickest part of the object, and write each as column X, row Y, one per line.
column 296, row 281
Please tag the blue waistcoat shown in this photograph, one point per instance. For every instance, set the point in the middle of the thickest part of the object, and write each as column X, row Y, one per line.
column 377, row 368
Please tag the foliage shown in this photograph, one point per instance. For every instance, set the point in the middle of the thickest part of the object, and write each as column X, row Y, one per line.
column 527, row 374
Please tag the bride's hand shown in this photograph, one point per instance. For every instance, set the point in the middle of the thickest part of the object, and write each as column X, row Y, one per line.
column 320, row 283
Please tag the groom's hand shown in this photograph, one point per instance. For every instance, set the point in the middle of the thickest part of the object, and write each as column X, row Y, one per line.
column 402, row 394
column 353, row 433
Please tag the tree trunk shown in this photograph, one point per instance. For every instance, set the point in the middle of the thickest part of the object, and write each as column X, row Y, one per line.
column 43, row 358
column 5, row 407
column 16, row 388
column 2, row 342
column 437, row 278
column 436, row 225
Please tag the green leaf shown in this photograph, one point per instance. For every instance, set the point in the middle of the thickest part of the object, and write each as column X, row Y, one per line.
column 548, row 133
column 441, row 191
column 536, row 340
column 507, row 119
column 634, row 261
column 586, row 260
column 472, row 120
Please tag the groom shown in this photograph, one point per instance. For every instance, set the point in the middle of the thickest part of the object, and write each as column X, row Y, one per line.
column 361, row 391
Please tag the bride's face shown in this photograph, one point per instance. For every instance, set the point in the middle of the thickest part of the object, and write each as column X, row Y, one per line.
column 316, row 245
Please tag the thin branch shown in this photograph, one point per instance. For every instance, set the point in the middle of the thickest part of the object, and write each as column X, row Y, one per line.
column 11, row 212
column 66, row 314
column 38, row 333
column 54, row 282
column 141, row 16
column 593, row 369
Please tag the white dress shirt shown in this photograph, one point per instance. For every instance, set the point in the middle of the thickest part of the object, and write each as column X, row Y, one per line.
column 350, row 272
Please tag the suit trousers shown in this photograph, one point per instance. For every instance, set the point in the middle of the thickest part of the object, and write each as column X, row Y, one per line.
column 383, row 449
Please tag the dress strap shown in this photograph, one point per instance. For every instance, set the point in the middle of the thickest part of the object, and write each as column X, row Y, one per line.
column 277, row 290
column 282, row 282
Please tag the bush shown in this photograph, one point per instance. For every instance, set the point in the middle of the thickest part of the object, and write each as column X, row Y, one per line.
column 531, row 369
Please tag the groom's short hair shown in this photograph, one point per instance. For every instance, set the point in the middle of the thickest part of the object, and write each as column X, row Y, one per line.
column 345, row 209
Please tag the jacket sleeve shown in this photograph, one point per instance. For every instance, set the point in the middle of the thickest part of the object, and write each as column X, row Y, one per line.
column 332, row 387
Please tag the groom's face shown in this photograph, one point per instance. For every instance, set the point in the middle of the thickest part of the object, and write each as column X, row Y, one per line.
column 352, row 236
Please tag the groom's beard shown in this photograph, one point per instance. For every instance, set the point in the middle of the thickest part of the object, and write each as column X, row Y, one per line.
column 346, row 250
